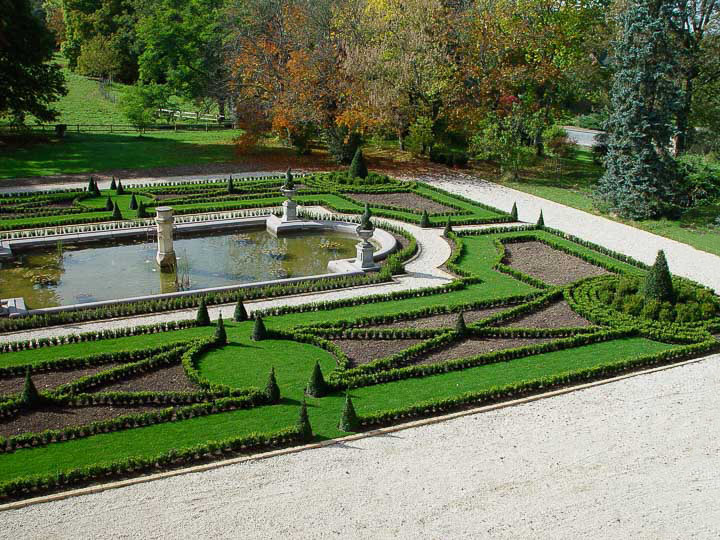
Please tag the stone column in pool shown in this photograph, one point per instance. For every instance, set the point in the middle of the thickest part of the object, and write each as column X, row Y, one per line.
column 166, row 253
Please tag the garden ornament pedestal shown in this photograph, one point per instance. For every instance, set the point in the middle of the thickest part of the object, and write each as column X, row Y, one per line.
column 365, row 250
column 166, row 253
column 289, row 206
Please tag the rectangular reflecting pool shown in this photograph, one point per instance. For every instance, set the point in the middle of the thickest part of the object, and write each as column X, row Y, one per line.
column 74, row 274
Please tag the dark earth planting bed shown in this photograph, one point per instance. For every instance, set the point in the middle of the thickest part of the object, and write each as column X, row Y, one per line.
column 363, row 351
column 473, row 347
column 61, row 417
column 49, row 380
column 411, row 201
column 444, row 320
column 557, row 315
column 547, row 264
column 170, row 379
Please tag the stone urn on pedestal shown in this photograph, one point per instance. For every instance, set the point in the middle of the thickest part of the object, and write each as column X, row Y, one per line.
column 289, row 191
column 365, row 249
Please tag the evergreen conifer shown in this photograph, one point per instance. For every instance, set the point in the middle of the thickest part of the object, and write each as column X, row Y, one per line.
column 460, row 326
column 117, row 214
column 358, row 167
column 141, row 211
column 120, row 189
column 304, row 422
column 113, row 184
column 240, row 312
column 425, row 220
column 541, row 220
column 658, row 282
column 230, row 186
column 514, row 212
column 349, row 420
column 202, row 318
column 272, row 390
column 220, row 333
column 316, row 386
column 259, row 331
column 109, row 206
column 448, row 228
column 133, row 203
column 30, row 396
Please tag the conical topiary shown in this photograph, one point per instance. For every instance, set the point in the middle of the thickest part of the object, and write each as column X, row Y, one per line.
column 202, row 318
column 141, row 211
column 109, row 206
column 349, row 420
column 658, row 282
column 230, row 186
column 541, row 220
column 220, row 333
column 316, row 386
column 259, row 332
column 514, row 212
column 272, row 390
column 425, row 219
column 358, row 167
column 448, row 228
column 113, row 184
column 117, row 214
column 30, row 397
column 460, row 326
column 120, row 189
column 133, row 203
column 91, row 185
column 240, row 314
column 304, row 422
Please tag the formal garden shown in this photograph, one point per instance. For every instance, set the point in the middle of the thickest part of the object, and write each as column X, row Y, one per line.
column 528, row 309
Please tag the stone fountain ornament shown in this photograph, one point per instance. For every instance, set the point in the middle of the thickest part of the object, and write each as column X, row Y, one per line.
column 166, row 252
column 289, row 191
column 365, row 249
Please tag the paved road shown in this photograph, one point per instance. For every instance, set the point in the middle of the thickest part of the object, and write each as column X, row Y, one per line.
column 581, row 136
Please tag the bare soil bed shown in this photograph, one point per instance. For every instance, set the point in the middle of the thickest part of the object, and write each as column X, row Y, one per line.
column 556, row 315
column 472, row 347
column 411, row 201
column 547, row 264
column 58, row 418
column 170, row 379
column 364, row 351
column 444, row 320
column 49, row 380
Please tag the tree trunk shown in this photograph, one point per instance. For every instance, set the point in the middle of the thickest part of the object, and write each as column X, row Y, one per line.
column 682, row 119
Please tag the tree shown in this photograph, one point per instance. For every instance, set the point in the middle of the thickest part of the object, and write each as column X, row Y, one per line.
column 113, row 184
column 640, row 176
column 30, row 396
column 460, row 326
column 133, row 203
column 141, row 102
column 120, row 190
column 117, row 214
column 658, row 281
column 29, row 80
column 358, row 167
column 240, row 314
column 421, row 138
column 303, row 423
column 109, row 206
column 98, row 59
column 349, row 420
column 141, row 211
column 202, row 318
column 514, row 212
column 220, row 333
column 316, row 386
column 272, row 390
column 230, row 186
column 259, row 332
column 541, row 220
column 448, row 228
column 425, row 219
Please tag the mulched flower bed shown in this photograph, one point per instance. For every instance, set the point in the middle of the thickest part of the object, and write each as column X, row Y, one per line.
column 47, row 381
column 412, row 201
column 444, row 320
column 170, row 379
column 547, row 264
column 472, row 347
column 61, row 417
column 556, row 315
column 363, row 351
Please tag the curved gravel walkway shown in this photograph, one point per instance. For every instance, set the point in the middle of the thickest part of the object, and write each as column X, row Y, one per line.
column 633, row 459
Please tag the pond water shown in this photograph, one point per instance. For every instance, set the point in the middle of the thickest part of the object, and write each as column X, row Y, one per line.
column 70, row 274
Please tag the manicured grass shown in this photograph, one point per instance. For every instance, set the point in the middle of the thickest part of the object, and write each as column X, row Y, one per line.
column 123, row 201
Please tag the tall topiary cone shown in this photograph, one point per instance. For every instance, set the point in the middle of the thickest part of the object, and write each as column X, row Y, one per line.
column 448, row 228
column 358, row 167
column 272, row 390
column 230, row 186
column 658, row 282
column 120, row 189
column 109, row 206
column 113, row 184
column 117, row 214
column 514, row 212
column 460, row 326
column 541, row 220
column 259, row 331
column 425, row 219
column 304, row 423
column 133, row 203
column 349, row 420
column 141, row 212
column 316, row 386
column 30, row 397
column 240, row 314
column 202, row 318
column 220, row 333
column 91, row 185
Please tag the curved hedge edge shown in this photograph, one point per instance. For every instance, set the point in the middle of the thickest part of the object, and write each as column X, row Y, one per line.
column 132, row 466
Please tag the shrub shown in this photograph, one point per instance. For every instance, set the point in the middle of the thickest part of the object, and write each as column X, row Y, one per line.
column 425, row 219
column 420, row 137
column 240, row 314
column 514, row 212
column 30, row 397
column 202, row 318
column 460, row 326
column 658, row 282
column 117, row 214
column 109, row 206
column 448, row 228
column 358, row 167
column 230, row 186
column 448, row 156
column 141, row 211
column 316, row 386
column 349, row 420
column 133, row 203
column 272, row 390
column 259, row 332
column 113, row 184
column 541, row 220
column 220, row 333
column 303, row 423
column 120, row 189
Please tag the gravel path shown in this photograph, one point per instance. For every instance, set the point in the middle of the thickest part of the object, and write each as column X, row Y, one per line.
column 632, row 459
